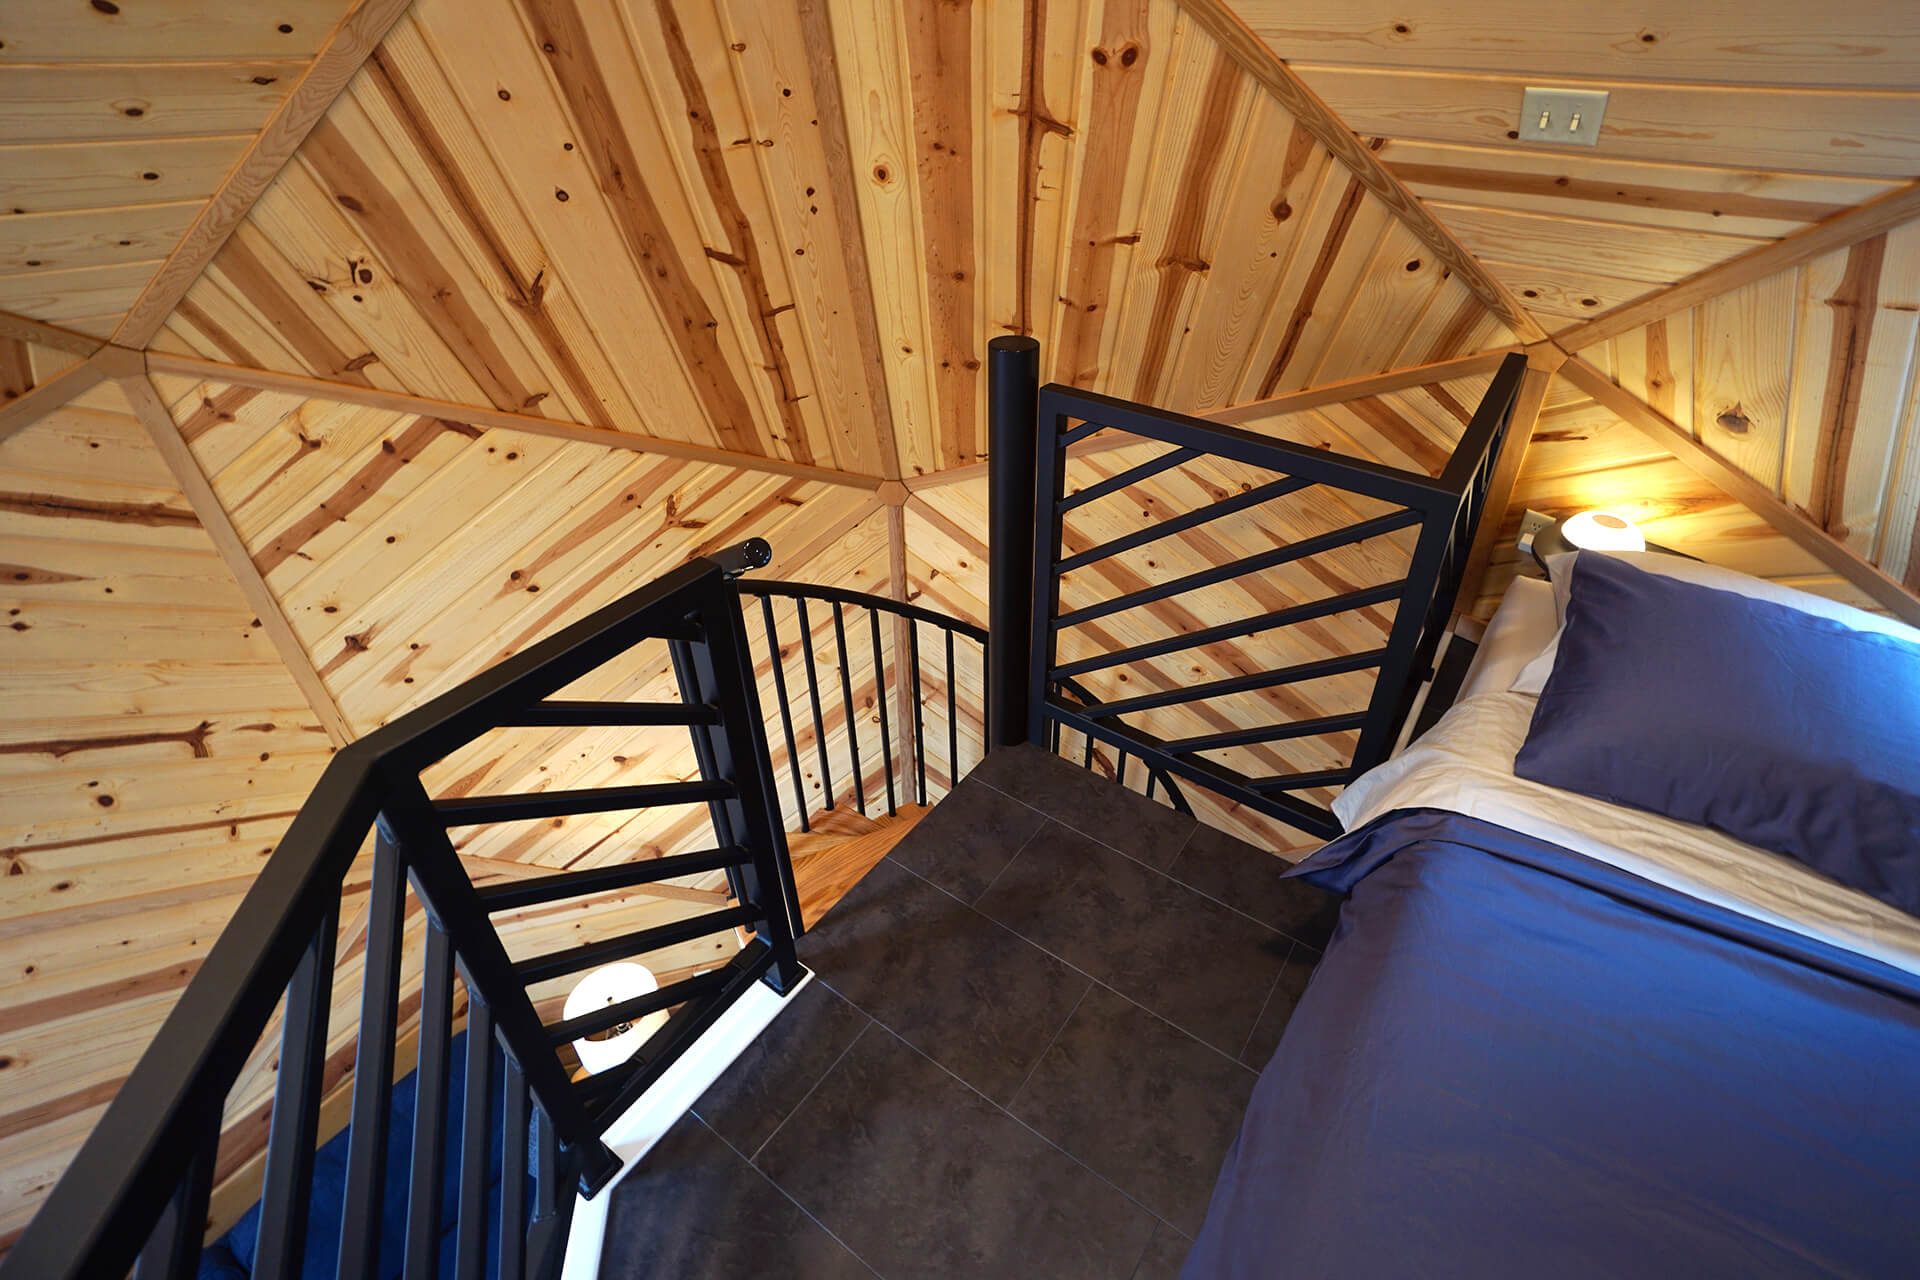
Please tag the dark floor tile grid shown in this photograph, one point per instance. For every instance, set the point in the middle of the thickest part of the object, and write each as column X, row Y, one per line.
column 1015, row 1089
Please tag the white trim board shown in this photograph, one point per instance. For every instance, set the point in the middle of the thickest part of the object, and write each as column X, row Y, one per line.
column 672, row 1095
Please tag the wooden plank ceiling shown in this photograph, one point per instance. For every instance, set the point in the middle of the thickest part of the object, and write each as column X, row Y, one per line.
column 786, row 231
column 117, row 123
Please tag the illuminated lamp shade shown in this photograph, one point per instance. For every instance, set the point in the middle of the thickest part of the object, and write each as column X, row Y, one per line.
column 1602, row 531
column 610, row 985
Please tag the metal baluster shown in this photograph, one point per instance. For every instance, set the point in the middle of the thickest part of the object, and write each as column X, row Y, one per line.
column 282, row 1238
column 1088, row 762
column 373, row 1066
column 476, row 1136
column 880, row 695
column 953, row 725
column 786, row 717
column 172, row 1251
column 513, row 1177
column 1153, row 780
column 692, row 692
column 430, row 1108
column 813, row 695
column 1120, row 770
column 846, row 702
column 919, row 710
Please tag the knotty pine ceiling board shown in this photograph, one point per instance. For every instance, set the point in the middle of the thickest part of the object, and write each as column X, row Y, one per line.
column 790, row 229
column 117, row 123
column 25, row 365
column 154, row 750
column 1728, row 125
column 1804, row 381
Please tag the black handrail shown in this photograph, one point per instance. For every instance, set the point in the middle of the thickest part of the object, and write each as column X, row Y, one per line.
column 139, row 1184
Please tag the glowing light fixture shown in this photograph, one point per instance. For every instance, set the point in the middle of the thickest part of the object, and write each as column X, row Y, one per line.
column 611, row 985
column 1601, row 531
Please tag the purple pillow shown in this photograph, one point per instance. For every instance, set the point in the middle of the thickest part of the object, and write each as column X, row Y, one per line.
column 1788, row 731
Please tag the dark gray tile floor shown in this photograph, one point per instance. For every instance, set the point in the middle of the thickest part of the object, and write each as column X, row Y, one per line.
column 1032, row 1032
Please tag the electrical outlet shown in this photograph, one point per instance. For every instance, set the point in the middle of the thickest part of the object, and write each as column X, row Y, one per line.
column 1531, row 524
column 1562, row 116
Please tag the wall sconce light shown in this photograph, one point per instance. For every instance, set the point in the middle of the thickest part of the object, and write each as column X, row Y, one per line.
column 1587, row 531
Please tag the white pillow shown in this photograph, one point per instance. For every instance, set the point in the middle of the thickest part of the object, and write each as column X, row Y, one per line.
column 1533, row 677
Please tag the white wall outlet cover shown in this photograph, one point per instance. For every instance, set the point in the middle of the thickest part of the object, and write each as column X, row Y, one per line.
column 1562, row 116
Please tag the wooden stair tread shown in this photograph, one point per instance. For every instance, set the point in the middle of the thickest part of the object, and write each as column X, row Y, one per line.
column 826, row 864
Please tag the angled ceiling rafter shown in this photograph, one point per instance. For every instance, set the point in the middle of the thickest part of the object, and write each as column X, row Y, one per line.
column 475, row 415
column 1259, row 60
column 325, row 79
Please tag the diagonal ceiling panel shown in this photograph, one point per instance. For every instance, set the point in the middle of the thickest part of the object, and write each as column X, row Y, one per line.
column 117, row 123
column 788, row 230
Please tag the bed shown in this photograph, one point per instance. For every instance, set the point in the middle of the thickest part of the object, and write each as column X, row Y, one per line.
column 1558, row 1035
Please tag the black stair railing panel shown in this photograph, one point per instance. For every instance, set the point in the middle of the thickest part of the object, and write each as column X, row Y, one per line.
column 1445, row 511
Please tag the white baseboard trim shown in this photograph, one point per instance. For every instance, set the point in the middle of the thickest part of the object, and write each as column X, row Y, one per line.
column 647, row 1121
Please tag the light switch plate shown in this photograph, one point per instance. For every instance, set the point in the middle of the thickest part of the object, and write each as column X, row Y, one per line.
column 1562, row 116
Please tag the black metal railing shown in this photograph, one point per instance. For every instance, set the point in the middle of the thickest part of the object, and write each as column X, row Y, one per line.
column 1032, row 430
column 902, row 671
column 139, row 1186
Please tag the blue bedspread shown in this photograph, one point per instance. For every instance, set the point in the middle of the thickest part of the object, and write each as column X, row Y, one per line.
column 1517, row 1061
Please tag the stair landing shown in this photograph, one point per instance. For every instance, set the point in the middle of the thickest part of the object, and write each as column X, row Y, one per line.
column 1034, row 1025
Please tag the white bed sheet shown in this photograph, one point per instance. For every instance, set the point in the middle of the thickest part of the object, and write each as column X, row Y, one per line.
column 1464, row 763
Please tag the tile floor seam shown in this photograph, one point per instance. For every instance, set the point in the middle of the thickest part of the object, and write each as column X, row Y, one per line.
column 1014, row 1097
column 1090, row 977
column 1076, row 1160
column 1166, row 871
column 1261, row 1016
column 805, row 1212
column 812, row 1089
column 1010, row 861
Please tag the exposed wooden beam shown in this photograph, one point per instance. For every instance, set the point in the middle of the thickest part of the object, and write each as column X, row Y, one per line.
column 19, row 414
column 1102, row 443
column 153, row 414
column 1354, row 388
column 1506, row 470
column 1862, row 222
column 1710, row 466
column 1252, row 53
column 47, row 335
column 474, row 415
column 325, row 78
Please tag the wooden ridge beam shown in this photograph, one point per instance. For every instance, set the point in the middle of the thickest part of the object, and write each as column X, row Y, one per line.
column 1355, row 388
column 39, row 401
column 27, row 329
column 1758, row 498
column 324, row 80
column 153, row 414
column 1306, row 106
column 473, row 415
column 1880, row 214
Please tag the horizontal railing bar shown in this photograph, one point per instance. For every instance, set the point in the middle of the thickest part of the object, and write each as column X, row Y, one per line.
column 1184, row 521
column 1081, row 432
column 1353, row 475
column 533, row 891
column 1238, row 684
column 552, row 713
column 1268, row 733
column 863, row 600
column 1303, row 814
column 1233, row 630
column 470, row 811
column 1303, row 781
column 700, row 984
column 1377, row 527
column 560, row 963
column 1131, row 476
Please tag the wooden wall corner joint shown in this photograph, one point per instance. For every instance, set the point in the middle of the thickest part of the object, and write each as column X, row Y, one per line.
column 1500, row 485
column 1744, row 489
column 1373, row 384
column 153, row 414
column 120, row 362
column 891, row 492
column 1546, row 355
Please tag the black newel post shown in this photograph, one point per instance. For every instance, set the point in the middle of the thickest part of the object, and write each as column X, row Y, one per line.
column 1013, row 382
